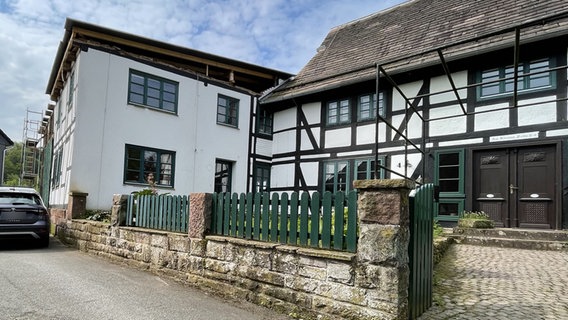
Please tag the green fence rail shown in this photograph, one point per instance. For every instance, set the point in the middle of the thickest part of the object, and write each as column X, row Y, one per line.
column 161, row 212
column 327, row 221
column 421, row 249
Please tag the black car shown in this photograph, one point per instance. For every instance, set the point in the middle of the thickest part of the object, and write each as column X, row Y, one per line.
column 23, row 216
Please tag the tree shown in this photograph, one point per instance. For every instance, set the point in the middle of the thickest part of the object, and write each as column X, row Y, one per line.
column 13, row 165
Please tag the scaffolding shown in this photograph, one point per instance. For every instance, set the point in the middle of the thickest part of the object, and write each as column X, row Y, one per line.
column 31, row 148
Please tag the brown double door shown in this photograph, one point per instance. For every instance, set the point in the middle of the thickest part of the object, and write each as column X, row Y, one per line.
column 516, row 186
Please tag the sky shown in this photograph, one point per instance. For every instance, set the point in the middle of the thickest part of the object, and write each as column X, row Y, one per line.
column 277, row 34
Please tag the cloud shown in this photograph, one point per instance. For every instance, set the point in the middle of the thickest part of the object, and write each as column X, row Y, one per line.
column 278, row 34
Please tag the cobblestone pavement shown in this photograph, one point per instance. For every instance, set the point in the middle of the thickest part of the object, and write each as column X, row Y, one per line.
column 474, row 282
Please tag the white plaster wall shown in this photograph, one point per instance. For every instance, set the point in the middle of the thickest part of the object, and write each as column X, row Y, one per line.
column 264, row 147
column 310, row 171
column 410, row 90
column 284, row 119
column 338, row 138
column 491, row 120
column 284, row 142
column 397, row 164
column 441, row 83
column 542, row 112
column 366, row 134
column 282, row 175
column 105, row 123
column 447, row 126
column 414, row 125
column 312, row 111
column 305, row 143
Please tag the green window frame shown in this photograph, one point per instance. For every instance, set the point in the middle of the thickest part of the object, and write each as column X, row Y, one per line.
column 261, row 177
column 336, row 176
column 449, row 175
column 152, row 91
column 491, row 86
column 338, row 112
column 264, row 121
column 223, row 176
column 364, row 169
column 143, row 164
column 227, row 111
column 367, row 104
column 449, row 209
column 450, row 172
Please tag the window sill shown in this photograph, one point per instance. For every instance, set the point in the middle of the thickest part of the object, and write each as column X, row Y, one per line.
column 228, row 125
column 152, row 108
column 145, row 185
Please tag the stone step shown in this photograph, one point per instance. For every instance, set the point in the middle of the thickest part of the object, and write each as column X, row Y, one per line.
column 522, row 234
column 512, row 243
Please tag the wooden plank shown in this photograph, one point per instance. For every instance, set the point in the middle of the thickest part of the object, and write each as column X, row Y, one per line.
column 293, row 235
column 352, row 221
column 129, row 209
column 283, row 229
column 326, row 220
column 257, row 208
column 315, row 206
column 186, row 213
column 234, row 212
column 265, row 218
column 249, row 216
column 220, row 211
column 241, row 217
column 227, row 214
column 273, row 225
column 304, row 207
column 339, row 221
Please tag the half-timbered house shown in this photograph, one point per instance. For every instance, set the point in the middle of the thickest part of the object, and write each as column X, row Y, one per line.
column 470, row 95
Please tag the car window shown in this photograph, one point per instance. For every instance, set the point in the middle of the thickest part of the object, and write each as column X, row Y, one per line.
column 19, row 198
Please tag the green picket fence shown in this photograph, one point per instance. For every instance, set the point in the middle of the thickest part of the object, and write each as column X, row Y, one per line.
column 161, row 212
column 327, row 221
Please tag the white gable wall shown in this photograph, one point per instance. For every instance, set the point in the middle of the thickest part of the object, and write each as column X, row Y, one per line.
column 105, row 123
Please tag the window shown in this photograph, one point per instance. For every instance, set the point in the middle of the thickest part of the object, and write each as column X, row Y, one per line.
column 223, row 176
column 56, row 174
column 227, row 111
column 262, row 177
column 366, row 106
column 338, row 112
column 449, row 176
column 58, row 114
column 142, row 165
column 153, row 92
column 336, row 176
column 364, row 169
column 71, row 91
column 264, row 122
column 535, row 78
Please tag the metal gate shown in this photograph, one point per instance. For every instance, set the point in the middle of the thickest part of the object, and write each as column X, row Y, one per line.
column 420, row 249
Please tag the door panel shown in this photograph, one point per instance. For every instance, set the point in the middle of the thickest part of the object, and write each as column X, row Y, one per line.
column 536, row 178
column 516, row 186
column 490, row 184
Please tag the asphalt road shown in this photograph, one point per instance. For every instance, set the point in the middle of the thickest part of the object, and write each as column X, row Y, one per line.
column 63, row 283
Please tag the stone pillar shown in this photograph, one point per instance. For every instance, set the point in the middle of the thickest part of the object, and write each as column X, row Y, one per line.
column 200, row 211
column 118, row 211
column 382, row 250
column 77, row 204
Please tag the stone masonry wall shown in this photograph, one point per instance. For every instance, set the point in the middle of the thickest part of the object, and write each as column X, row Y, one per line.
column 301, row 282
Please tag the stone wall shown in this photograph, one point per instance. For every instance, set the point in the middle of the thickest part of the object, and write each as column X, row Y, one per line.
column 301, row 282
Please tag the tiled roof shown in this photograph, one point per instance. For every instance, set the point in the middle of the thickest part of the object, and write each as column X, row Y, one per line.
column 350, row 51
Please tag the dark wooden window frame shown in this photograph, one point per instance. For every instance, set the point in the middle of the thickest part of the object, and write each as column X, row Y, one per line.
column 165, row 96
column 158, row 172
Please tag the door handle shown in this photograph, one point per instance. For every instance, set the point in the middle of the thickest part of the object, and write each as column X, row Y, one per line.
column 512, row 188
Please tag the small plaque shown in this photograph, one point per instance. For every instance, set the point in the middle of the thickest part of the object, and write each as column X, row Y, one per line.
column 534, row 195
column 490, row 195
